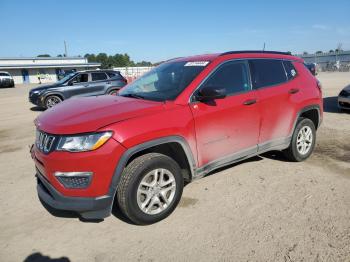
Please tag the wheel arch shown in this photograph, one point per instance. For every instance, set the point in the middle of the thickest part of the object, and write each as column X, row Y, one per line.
column 60, row 95
column 312, row 112
column 112, row 88
column 169, row 146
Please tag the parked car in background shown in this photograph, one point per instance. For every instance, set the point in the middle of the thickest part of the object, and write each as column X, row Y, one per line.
column 6, row 80
column 84, row 83
column 176, row 123
column 344, row 98
column 312, row 68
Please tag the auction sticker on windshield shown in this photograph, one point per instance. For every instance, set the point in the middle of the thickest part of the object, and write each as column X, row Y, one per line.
column 197, row 63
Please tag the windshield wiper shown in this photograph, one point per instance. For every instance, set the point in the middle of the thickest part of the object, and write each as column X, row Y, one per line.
column 133, row 96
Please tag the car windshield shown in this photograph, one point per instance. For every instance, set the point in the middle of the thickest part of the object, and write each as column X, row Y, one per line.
column 164, row 82
column 67, row 77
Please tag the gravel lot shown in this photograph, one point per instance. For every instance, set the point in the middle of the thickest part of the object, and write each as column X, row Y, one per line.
column 264, row 209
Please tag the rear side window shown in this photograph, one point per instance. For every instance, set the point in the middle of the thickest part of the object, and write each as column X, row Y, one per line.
column 98, row 76
column 232, row 76
column 267, row 72
column 290, row 70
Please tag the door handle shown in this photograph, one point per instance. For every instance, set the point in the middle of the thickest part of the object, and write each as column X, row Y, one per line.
column 293, row 91
column 249, row 102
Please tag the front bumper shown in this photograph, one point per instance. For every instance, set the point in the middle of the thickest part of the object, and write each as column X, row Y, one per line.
column 35, row 99
column 92, row 202
column 7, row 82
column 89, row 208
column 344, row 102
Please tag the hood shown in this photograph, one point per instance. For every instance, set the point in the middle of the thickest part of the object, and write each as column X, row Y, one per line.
column 45, row 87
column 88, row 114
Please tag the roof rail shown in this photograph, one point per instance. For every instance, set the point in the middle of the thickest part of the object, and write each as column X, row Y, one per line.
column 255, row 51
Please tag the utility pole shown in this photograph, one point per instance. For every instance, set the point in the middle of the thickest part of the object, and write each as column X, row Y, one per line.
column 264, row 47
column 65, row 49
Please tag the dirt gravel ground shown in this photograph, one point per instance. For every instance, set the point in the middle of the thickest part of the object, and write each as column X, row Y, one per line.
column 264, row 209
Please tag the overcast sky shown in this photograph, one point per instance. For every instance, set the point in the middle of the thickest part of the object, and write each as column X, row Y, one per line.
column 158, row 30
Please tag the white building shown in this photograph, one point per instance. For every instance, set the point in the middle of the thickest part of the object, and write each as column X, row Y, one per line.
column 133, row 71
column 48, row 69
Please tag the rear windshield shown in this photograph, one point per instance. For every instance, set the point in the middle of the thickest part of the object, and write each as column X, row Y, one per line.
column 4, row 74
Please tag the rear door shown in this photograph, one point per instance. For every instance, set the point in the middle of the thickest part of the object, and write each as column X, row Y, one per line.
column 276, row 88
column 99, row 81
column 227, row 126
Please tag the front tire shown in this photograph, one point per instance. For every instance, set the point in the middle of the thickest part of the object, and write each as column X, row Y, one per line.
column 303, row 141
column 150, row 188
column 52, row 100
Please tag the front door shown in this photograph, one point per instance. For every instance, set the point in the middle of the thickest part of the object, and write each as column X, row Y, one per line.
column 227, row 127
column 77, row 86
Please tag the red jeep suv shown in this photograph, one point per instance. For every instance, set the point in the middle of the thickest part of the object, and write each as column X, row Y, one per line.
column 180, row 121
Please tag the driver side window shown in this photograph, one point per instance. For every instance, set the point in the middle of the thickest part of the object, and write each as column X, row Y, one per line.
column 232, row 76
column 81, row 78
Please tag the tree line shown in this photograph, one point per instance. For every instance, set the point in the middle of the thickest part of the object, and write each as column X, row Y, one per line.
column 117, row 60
column 109, row 61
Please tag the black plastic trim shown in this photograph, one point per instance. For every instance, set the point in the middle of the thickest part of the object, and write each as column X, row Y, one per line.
column 255, row 52
column 90, row 208
column 133, row 150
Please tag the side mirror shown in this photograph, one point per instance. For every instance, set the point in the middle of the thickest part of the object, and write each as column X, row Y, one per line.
column 208, row 93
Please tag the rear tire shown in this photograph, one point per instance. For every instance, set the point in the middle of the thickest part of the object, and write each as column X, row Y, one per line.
column 150, row 188
column 303, row 141
column 113, row 92
column 52, row 100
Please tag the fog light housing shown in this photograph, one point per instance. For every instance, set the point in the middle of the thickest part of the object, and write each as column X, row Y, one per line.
column 74, row 180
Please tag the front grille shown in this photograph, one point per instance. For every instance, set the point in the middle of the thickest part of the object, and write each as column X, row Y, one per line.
column 44, row 142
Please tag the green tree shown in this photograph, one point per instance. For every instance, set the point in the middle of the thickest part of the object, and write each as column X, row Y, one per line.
column 43, row 55
column 117, row 60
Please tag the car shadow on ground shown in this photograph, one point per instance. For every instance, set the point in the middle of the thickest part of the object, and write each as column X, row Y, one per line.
column 275, row 155
column 38, row 257
column 37, row 109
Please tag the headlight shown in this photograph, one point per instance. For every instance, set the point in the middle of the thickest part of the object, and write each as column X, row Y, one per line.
column 83, row 143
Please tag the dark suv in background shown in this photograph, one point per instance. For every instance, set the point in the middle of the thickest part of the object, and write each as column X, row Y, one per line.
column 84, row 83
